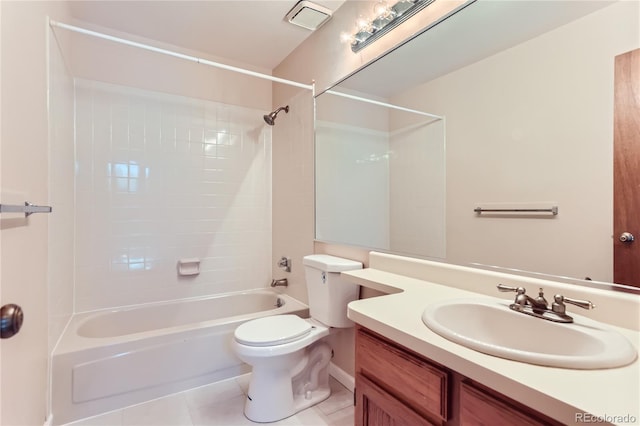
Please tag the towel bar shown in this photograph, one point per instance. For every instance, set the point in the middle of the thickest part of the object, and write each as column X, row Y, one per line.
column 27, row 209
column 553, row 210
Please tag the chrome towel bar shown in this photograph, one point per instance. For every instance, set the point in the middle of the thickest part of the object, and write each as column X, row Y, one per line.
column 27, row 209
column 553, row 210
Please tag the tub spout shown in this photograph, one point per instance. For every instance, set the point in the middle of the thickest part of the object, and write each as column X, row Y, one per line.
column 281, row 282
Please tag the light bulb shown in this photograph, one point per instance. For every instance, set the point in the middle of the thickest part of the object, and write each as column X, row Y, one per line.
column 383, row 15
column 381, row 9
column 345, row 37
column 362, row 24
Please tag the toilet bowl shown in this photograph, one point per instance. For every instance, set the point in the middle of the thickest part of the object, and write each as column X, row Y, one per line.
column 290, row 368
column 288, row 354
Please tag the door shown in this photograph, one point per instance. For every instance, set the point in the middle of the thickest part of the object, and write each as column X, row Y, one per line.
column 626, row 169
column 23, row 240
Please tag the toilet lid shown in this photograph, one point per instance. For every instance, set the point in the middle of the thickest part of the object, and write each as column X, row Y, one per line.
column 272, row 331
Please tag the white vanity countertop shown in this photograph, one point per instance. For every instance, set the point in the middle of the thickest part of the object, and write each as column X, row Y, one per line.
column 562, row 394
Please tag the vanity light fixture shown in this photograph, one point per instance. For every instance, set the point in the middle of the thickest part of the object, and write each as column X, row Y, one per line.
column 387, row 15
column 308, row 15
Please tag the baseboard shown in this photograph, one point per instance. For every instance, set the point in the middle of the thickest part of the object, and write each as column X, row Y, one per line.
column 342, row 376
column 49, row 420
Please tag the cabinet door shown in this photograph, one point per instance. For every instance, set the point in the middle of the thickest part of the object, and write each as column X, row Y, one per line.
column 478, row 408
column 419, row 384
column 375, row 407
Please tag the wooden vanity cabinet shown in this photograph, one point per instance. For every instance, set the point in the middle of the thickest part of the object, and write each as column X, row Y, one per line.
column 398, row 387
column 392, row 382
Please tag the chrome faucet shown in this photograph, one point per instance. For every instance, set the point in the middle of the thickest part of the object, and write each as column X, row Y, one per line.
column 539, row 307
column 281, row 282
column 523, row 299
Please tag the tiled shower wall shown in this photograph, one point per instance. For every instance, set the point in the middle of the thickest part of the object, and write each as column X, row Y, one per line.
column 161, row 178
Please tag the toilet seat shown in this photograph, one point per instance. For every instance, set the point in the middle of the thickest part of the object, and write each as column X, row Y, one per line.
column 272, row 331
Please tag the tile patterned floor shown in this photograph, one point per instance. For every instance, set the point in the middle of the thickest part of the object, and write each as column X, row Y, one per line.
column 221, row 404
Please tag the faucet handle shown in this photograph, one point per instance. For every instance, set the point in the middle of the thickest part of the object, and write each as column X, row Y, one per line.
column 558, row 305
column 505, row 288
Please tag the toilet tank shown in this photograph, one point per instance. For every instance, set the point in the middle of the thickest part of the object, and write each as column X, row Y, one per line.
column 329, row 293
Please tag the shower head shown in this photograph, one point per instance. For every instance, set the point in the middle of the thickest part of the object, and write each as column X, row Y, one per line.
column 270, row 118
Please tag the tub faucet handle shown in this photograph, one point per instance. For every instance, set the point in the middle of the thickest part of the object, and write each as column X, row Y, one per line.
column 285, row 263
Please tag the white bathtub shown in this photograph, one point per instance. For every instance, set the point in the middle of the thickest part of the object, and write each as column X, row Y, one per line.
column 111, row 359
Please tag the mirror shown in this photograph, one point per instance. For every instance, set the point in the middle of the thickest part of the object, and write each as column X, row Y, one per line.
column 368, row 158
column 526, row 90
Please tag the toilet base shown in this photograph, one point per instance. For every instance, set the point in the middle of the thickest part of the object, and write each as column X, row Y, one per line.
column 278, row 393
column 258, row 413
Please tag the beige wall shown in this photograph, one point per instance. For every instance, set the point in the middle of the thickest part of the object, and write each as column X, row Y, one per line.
column 291, row 204
column 25, row 177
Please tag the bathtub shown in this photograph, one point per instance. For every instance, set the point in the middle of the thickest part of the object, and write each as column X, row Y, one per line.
column 107, row 360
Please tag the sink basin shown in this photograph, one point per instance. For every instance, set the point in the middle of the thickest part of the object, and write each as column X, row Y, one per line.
column 488, row 325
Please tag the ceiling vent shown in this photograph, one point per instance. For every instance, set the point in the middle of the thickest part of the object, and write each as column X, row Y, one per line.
column 308, row 15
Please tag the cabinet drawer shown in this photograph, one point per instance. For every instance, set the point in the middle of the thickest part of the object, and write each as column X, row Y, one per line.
column 418, row 384
column 375, row 407
column 478, row 407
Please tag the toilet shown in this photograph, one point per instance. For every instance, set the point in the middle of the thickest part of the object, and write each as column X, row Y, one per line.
column 288, row 355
